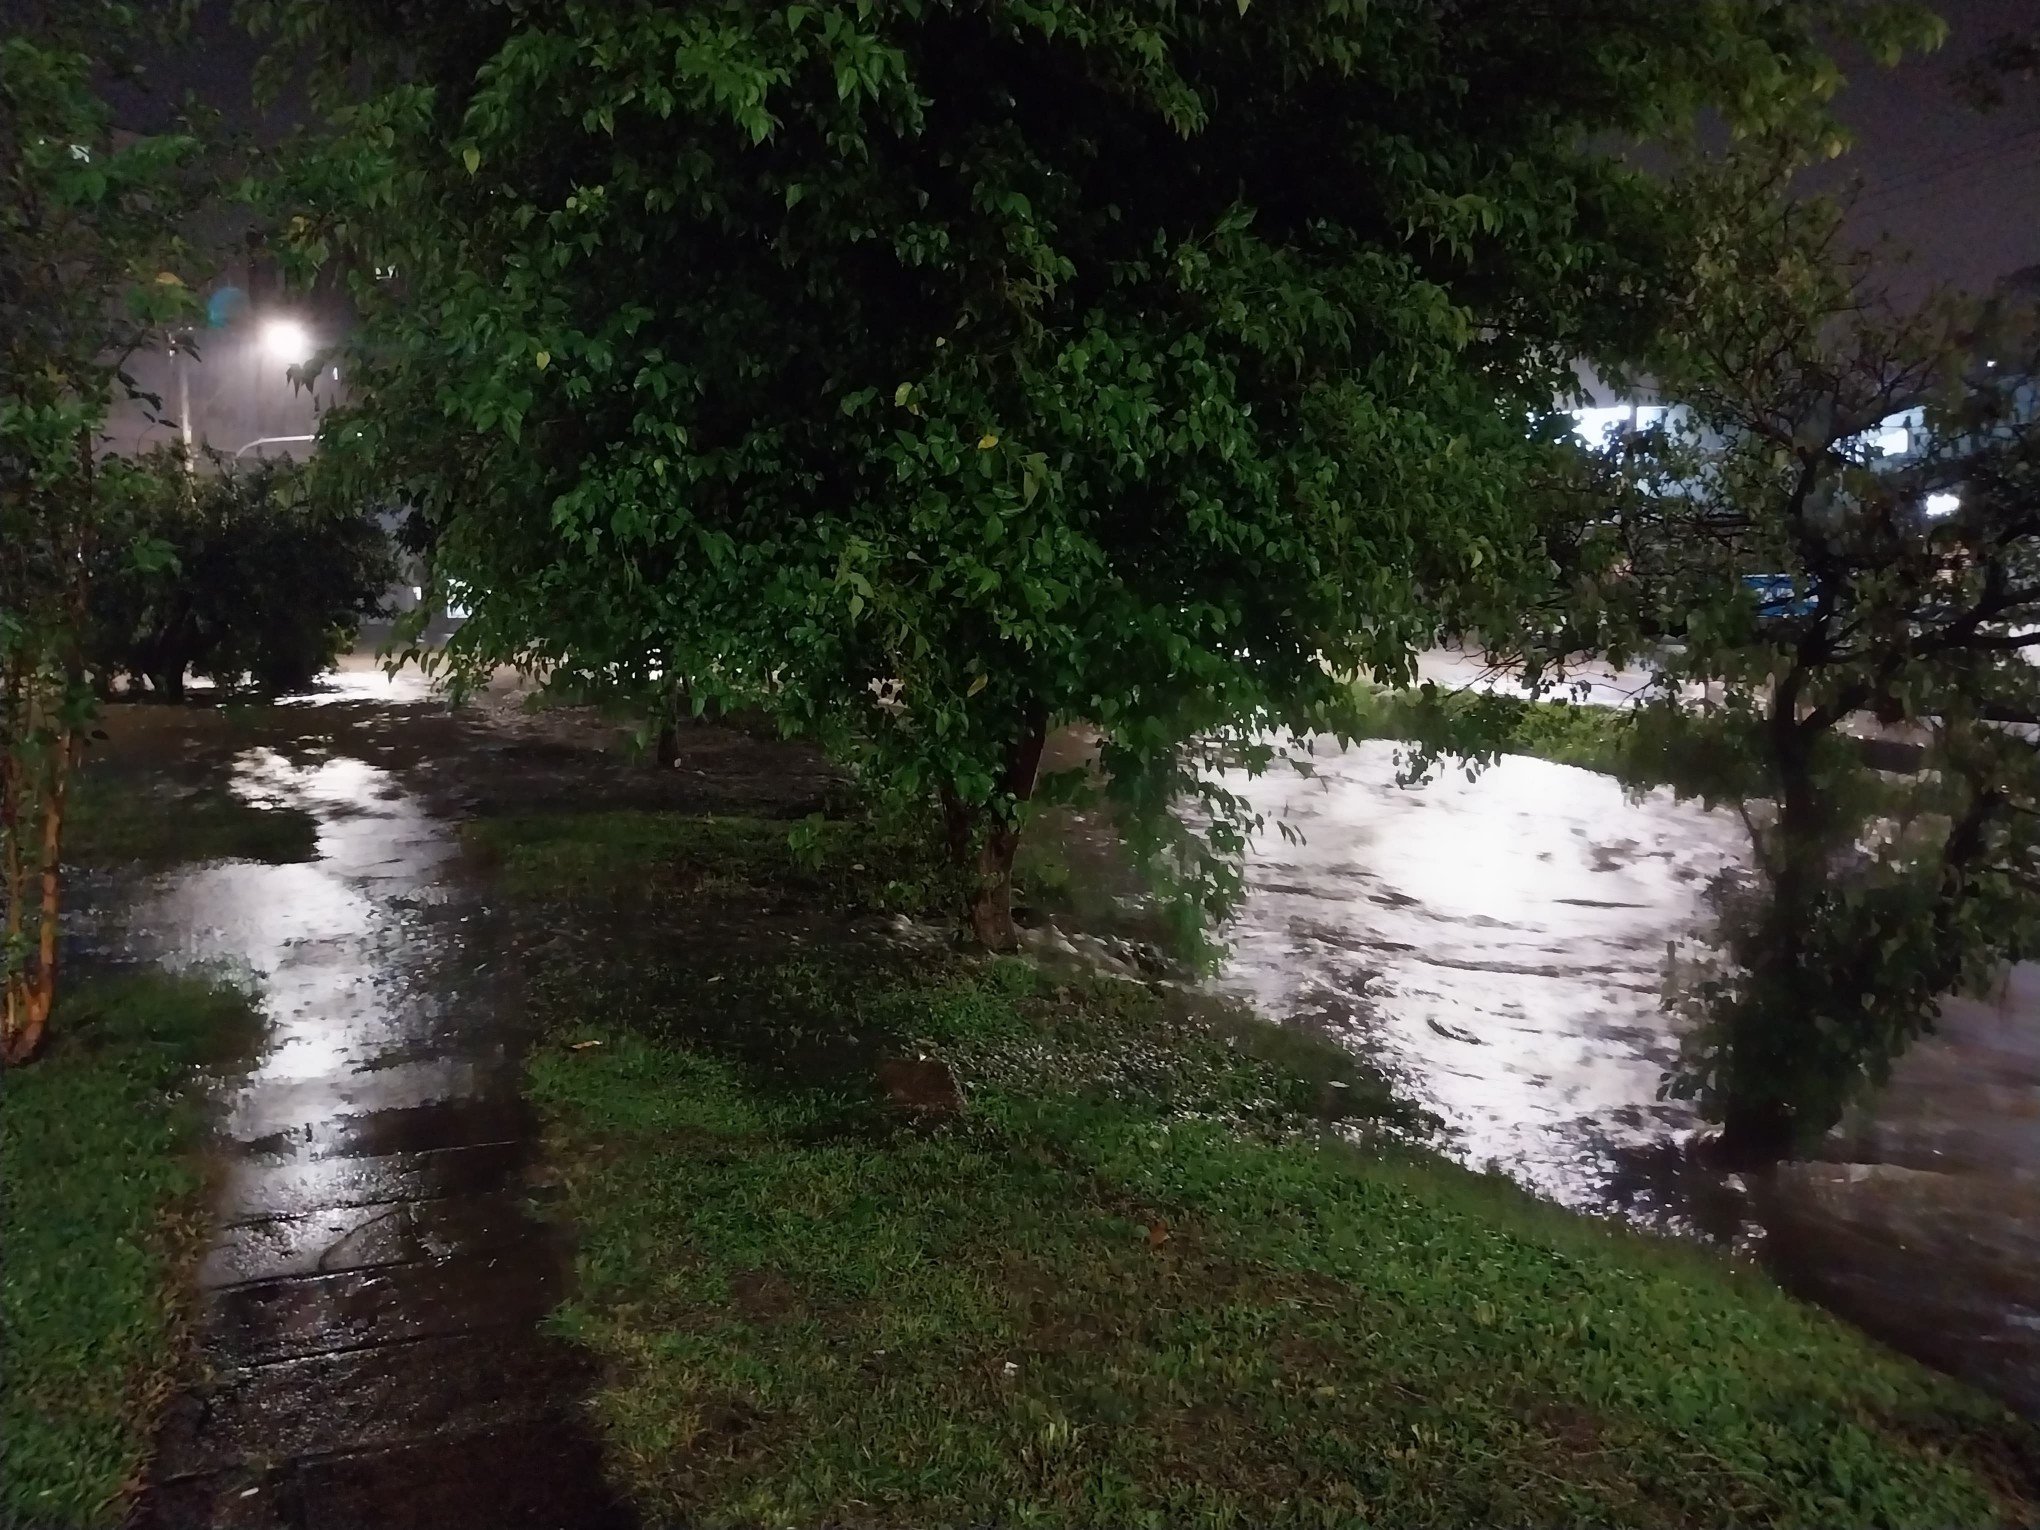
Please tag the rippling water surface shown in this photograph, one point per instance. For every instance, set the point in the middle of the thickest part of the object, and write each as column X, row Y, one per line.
column 1499, row 943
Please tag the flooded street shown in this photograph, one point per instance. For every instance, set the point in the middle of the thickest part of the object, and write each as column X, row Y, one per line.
column 1499, row 944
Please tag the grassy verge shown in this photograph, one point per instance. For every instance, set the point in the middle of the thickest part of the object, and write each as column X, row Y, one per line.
column 1134, row 1281
column 1474, row 722
column 815, row 862
column 100, row 1213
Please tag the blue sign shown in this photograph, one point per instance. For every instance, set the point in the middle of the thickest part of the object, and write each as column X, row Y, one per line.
column 1777, row 596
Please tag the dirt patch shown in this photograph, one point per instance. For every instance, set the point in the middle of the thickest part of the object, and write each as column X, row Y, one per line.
column 726, row 1424
column 2006, row 1457
column 764, row 1296
column 1576, row 1431
column 920, row 1088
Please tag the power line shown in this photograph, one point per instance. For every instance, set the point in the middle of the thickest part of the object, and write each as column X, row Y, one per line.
column 1964, row 167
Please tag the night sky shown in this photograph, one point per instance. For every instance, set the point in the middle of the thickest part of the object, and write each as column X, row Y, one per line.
column 1960, row 188
column 1957, row 187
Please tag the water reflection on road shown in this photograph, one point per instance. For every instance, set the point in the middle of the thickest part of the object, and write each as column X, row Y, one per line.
column 1498, row 944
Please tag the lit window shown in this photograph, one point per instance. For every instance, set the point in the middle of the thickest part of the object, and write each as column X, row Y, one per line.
column 1896, row 435
column 1594, row 426
column 1943, row 503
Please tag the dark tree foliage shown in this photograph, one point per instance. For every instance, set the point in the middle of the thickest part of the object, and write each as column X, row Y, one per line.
column 2003, row 72
column 92, row 272
column 935, row 373
column 253, row 581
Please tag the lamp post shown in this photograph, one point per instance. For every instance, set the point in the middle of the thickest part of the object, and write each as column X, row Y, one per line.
column 286, row 339
column 180, row 347
column 270, row 441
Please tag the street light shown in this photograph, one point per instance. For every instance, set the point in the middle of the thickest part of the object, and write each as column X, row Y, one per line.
column 287, row 341
column 270, row 441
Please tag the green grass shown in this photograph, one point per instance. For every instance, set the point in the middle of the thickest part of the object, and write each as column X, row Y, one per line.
column 1137, row 1282
column 822, row 863
column 100, row 1213
column 832, row 862
column 118, row 820
column 1567, row 733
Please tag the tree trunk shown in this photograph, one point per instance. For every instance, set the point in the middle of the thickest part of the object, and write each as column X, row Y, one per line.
column 13, row 992
column 1802, row 837
column 39, row 744
column 1755, row 1134
column 32, row 988
column 991, row 895
column 1760, row 1123
column 983, row 837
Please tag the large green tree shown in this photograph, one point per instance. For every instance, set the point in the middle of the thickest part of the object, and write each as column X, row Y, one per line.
column 90, row 254
column 936, row 372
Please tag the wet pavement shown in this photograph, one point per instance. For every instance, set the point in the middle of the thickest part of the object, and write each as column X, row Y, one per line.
column 373, row 1290
column 1498, row 946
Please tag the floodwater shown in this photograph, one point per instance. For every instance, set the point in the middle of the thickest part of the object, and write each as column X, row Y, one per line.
column 372, row 1293
column 374, row 1289
column 1498, row 945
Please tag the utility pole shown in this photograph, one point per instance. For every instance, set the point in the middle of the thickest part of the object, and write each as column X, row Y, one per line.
column 180, row 361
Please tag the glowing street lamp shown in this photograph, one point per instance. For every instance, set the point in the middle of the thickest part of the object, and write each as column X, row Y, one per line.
column 287, row 341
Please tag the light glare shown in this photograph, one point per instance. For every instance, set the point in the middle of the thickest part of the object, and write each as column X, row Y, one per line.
column 287, row 341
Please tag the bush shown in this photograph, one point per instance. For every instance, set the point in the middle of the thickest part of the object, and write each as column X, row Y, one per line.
column 238, row 577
